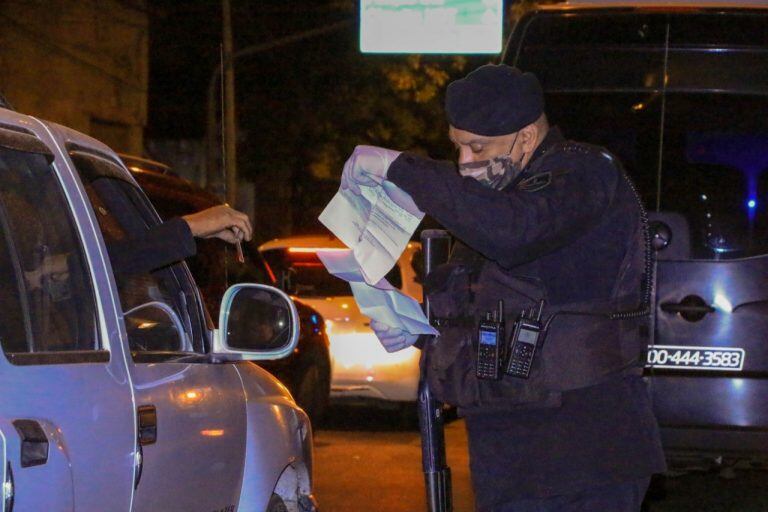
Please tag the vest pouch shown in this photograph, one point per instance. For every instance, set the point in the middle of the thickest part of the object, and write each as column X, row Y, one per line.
column 449, row 290
column 513, row 393
column 452, row 359
column 587, row 349
column 451, row 367
column 519, row 293
column 453, row 380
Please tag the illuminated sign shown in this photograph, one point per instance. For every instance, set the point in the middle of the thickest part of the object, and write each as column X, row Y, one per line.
column 431, row 26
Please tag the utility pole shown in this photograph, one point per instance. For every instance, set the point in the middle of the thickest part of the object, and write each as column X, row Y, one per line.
column 230, row 127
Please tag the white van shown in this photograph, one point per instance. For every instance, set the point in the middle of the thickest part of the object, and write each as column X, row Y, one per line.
column 362, row 372
column 116, row 394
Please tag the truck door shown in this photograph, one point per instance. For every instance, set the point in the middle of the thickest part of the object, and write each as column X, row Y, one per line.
column 66, row 400
column 192, row 416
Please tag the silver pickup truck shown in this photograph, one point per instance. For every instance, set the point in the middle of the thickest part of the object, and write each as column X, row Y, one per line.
column 116, row 393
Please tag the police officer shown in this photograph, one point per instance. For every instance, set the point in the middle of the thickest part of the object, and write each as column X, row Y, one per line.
column 539, row 221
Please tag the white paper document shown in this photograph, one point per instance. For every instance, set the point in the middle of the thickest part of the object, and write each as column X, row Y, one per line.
column 381, row 302
column 376, row 225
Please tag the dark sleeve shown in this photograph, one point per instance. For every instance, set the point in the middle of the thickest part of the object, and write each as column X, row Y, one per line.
column 511, row 226
column 158, row 247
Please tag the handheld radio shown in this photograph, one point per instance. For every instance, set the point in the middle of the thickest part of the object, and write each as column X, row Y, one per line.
column 490, row 345
column 526, row 335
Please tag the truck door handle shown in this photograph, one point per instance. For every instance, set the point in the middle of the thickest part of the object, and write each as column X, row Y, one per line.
column 691, row 308
column 34, row 443
column 147, row 419
column 9, row 491
column 139, row 466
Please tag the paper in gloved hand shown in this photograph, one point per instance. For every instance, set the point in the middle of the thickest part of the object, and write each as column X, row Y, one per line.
column 376, row 224
column 381, row 302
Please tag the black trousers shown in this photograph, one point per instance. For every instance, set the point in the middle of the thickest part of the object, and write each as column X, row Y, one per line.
column 622, row 497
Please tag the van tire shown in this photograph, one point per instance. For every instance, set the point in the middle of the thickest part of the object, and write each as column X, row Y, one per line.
column 276, row 504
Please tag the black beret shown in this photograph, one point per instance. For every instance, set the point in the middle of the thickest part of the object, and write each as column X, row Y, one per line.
column 494, row 100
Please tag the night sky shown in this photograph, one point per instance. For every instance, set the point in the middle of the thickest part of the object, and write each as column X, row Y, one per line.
column 185, row 40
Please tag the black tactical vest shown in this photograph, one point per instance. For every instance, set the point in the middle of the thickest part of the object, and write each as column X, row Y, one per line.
column 586, row 342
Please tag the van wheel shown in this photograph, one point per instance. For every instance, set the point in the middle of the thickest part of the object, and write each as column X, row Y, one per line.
column 314, row 386
column 276, row 504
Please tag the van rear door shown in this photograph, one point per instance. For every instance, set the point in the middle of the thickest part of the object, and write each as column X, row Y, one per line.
column 710, row 360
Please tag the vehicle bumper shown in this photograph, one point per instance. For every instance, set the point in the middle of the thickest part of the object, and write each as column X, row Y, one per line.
column 711, row 418
column 363, row 369
column 367, row 397
column 705, row 448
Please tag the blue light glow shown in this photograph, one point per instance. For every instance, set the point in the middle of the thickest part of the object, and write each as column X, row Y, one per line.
column 752, row 204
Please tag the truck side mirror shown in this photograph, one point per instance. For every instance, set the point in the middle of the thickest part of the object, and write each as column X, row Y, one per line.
column 256, row 322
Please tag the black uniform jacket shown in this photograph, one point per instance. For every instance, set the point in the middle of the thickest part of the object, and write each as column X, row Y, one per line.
column 597, row 435
column 157, row 247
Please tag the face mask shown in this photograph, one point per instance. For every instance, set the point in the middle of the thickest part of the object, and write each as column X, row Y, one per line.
column 496, row 173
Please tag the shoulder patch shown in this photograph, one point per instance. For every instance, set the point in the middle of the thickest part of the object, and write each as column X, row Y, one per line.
column 540, row 180
column 577, row 147
column 536, row 182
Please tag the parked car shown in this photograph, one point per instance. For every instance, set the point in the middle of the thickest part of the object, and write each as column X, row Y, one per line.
column 307, row 371
column 362, row 371
column 679, row 90
column 117, row 394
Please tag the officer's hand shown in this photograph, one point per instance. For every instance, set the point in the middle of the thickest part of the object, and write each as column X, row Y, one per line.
column 367, row 167
column 220, row 222
column 392, row 338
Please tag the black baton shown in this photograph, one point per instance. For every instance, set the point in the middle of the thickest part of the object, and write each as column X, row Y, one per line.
column 435, row 244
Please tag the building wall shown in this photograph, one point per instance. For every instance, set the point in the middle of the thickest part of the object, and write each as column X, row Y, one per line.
column 82, row 63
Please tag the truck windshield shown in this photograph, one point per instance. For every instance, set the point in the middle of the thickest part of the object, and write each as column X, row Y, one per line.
column 679, row 98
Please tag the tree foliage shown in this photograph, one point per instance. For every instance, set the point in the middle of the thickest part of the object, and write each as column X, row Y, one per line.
column 303, row 107
column 302, row 110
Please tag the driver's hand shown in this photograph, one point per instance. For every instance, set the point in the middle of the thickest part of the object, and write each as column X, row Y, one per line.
column 220, row 222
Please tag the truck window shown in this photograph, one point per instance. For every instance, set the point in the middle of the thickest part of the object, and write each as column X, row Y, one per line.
column 123, row 212
column 47, row 305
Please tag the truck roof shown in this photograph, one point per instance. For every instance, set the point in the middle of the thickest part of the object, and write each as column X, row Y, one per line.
column 655, row 4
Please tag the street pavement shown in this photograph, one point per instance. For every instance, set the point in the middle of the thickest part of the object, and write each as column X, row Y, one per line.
column 366, row 460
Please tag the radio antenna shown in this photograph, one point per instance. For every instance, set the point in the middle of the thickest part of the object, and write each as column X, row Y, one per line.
column 223, row 168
